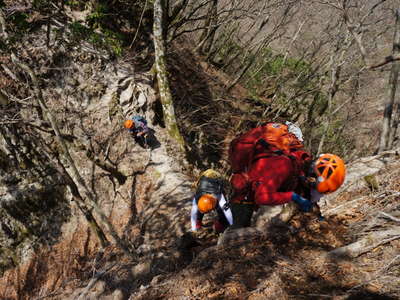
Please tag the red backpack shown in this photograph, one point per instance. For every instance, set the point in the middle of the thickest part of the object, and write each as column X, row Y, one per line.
column 268, row 138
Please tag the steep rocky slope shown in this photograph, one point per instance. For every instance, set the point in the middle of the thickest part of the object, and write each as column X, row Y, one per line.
column 140, row 190
column 151, row 208
column 47, row 247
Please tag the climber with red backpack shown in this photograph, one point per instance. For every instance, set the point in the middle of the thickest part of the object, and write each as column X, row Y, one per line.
column 271, row 167
column 137, row 126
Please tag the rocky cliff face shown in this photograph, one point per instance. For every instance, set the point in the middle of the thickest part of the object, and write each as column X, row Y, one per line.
column 32, row 210
column 143, row 192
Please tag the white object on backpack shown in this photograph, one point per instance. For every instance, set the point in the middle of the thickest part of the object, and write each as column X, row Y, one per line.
column 293, row 128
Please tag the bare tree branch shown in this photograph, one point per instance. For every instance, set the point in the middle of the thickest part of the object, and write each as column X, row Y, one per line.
column 388, row 59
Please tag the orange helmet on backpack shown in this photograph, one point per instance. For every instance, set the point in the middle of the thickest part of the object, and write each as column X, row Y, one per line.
column 128, row 124
column 207, row 203
column 279, row 137
column 330, row 171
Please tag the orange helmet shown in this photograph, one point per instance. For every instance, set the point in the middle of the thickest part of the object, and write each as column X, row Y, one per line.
column 207, row 203
column 128, row 124
column 330, row 171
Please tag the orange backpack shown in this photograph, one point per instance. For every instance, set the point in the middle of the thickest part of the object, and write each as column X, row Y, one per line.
column 270, row 138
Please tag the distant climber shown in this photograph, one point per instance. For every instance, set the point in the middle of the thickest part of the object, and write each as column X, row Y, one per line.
column 209, row 197
column 137, row 126
column 270, row 167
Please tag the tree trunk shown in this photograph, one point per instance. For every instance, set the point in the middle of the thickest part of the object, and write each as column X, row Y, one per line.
column 335, row 73
column 80, row 203
column 368, row 243
column 387, row 136
column 161, row 69
column 396, row 66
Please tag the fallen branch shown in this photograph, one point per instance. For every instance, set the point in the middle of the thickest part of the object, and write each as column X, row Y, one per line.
column 8, row 71
column 92, row 282
column 386, row 215
column 366, row 160
column 344, row 206
column 368, row 243
column 386, row 267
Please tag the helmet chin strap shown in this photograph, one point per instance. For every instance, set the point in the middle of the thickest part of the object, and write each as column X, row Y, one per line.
column 312, row 179
column 312, row 182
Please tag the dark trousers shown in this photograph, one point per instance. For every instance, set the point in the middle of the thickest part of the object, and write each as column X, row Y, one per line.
column 242, row 214
column 141, row 140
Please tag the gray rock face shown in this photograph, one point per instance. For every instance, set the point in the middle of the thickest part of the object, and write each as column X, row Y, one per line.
column 32, row 211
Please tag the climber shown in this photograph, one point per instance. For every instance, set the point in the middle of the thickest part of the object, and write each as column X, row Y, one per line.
column 137, row 126
column 209, row 197
column 273, row 168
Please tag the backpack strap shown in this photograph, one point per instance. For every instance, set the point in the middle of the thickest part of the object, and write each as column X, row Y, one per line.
column 269, row 150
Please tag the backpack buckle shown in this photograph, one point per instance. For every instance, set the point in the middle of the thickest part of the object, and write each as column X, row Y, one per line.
column 226, row 206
